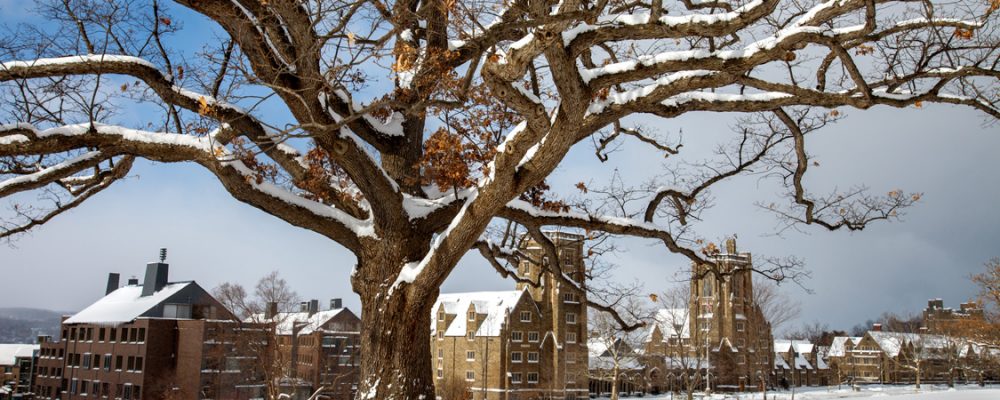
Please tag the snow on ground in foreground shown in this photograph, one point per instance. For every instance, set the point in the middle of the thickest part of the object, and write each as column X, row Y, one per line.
column 926, row 392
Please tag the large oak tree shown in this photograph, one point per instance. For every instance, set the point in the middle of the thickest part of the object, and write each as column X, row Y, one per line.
column 485, row 100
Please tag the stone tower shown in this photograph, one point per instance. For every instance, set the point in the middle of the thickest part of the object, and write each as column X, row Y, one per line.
column 564, row 304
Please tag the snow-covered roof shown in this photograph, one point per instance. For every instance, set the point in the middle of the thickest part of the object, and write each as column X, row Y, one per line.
column 309, row 323
column 784, row 345
column 892, row 342
column 838, row 348
column 672, row 322
column 125, row 305
column 779, row 363
column 9, row 353
column 494, row 305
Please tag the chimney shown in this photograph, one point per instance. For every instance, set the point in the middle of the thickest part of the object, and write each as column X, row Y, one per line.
column 731, row 246
column 336, row 304
column 133, row 281
column 156, row 278
column 112, row 283
column 304, row 306
column 44, row 339
column 877, row 327
column 271, row 310
column 313, row 306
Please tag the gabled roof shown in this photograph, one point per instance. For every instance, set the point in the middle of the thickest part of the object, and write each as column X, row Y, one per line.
column 892, row 342
column 9, row 353
column 784, row 345
column 495, row 305
column 125, row 305
column 838, row 348
column 309, row 323
column 671, row 322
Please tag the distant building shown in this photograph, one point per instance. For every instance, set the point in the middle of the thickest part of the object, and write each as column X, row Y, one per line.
column 799, row 363
column 317, row 348
column 940, row 319
column 17, row 365
column 159, row 339
column 529, row 343
column 722, row 329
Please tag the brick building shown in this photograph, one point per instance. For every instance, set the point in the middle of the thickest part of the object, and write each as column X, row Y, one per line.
column 17, row 366
column 156, row 340
column 723, row 328
column 318, row 348
column 799, row 363
column 528, row 343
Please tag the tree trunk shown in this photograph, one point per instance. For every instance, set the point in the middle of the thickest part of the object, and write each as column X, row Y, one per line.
column 614, row 383
column 395, row 325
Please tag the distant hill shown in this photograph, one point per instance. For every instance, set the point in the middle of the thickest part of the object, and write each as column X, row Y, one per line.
column 24, row 325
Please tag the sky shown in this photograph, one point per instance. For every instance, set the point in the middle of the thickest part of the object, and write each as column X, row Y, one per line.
column 948, row 153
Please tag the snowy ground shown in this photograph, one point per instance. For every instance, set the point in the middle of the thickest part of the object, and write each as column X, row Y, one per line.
column 926, row 392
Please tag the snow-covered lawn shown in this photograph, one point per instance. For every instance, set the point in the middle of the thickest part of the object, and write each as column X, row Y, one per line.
column 926, row 392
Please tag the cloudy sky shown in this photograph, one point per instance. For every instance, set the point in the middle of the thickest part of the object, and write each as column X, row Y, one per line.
column 947, row 153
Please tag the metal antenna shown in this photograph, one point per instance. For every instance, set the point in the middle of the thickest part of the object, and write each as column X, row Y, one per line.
column 163, row 255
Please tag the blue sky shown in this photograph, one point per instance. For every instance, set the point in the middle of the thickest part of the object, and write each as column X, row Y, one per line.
column 945, row 152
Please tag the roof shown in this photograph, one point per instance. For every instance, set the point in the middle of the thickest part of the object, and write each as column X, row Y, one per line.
column 838, row 348
column 9, row 353
column 286, row 322
column 495, row 305
column 671, row 322
column 125, row 305
column 784, row 345
column 892, row 342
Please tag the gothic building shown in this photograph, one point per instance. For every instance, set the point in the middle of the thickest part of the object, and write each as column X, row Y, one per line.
column 529, row 343
column 722, row 330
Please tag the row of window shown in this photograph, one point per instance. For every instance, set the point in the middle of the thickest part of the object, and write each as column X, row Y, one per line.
column 127, row 335
column 52, row 372
column 103, row 389
column 515, row 377
column 50, row 352
column 93, row 361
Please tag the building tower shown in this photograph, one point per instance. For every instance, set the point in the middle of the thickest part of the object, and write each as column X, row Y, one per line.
column 727, row 323
column 564, row 304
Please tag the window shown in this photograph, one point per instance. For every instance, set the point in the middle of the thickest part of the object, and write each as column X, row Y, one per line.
column 740, row 326
column 440, row 373
column 525, row 316
column 127, row 394
column 97, row 361
column 570, row 318
column 84, row 387
column 107, row 362
column 470, row 375
column 570, row 337
column 142, row 335
column 532, row 336
column 569, row 298
column 470, row 355
column 515, row 377
column 516, row 336
column 111, row 334
column 515, row 357
column 532, row 377
column 90, row 334
column 440, row 335
column 471, row 335
column 472, row 315
column 131, row 363
column 118, row 363
column 440, row 353
column 742, row 359
column 532, row 357
column 138, row 364
column 441, row 316
column 100, row 335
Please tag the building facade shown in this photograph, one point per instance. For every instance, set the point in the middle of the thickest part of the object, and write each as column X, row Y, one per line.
column 722, row 330
column 943, row 320
column 529, row 343
column 318, row 349
column 156, row 340
column 17, row 369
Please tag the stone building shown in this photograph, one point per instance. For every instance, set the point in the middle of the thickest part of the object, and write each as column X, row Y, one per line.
column 722, row 329
column 529, row 343
column 940, row 319
column 799, row 363
column 317, row 348
column 159, row 339
column 17, row 366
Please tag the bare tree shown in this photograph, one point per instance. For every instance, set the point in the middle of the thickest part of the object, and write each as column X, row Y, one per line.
column 682, row 361
column 258, row 318
column 778, row 308
column 615, row 353
column 486, row 100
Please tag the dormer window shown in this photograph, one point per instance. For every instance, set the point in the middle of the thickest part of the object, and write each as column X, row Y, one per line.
column 441, row 315
column 472, row 315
